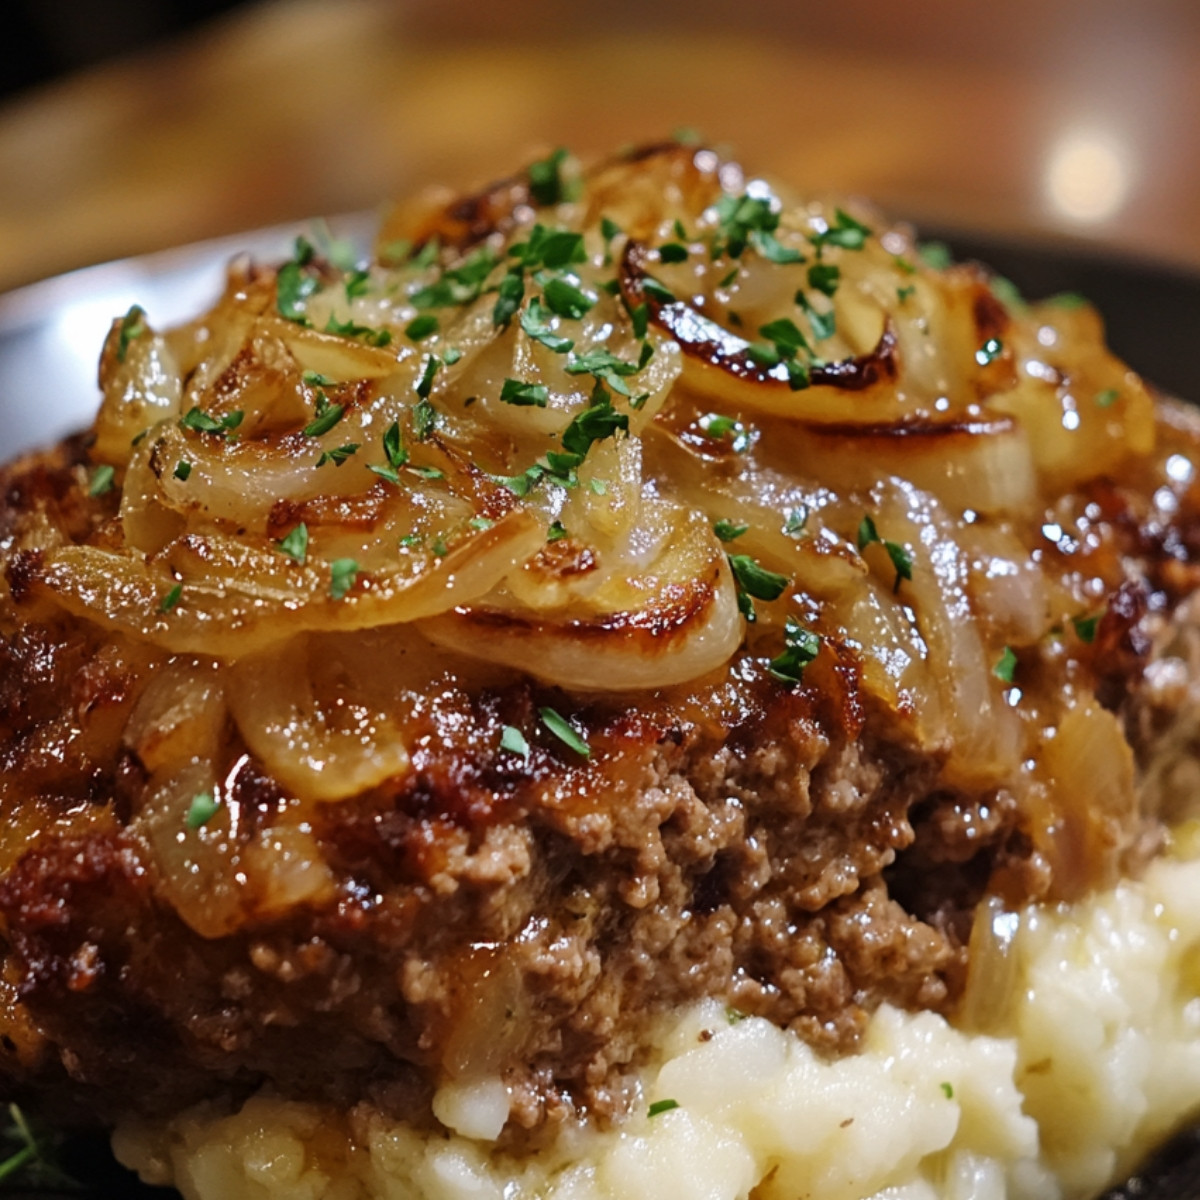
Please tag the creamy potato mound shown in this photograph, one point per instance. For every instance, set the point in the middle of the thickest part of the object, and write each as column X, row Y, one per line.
column 1094, row 1059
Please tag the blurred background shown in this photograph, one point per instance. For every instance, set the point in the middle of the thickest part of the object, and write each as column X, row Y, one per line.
column 132, row 125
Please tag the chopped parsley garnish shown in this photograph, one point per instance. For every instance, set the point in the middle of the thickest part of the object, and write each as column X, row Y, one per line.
column 774, row 250
column 535, row 322
column 564, row 731
column 823, row 324
column 170, row 598
column 598, row 487
column 905, row 293
column 728, row 531
column 183, row 469
column 989, row 351
column 1007, row 293
column 481, row 523
column 328, row 415
column 425, row 383
column 550, row 248
column 726, row 280
column 1107, row 398
column 594, row 424
column 316, row 379
column 824, row 278
column 419, row 328
column 460, row 285
column 785, row 336
column 546, row 180
column 609, row 229
column 452, row 356
column 904, row 264
column 439, row 549
column 343, row 573
column 556, row 532
column 508, row 299
column 738, row 218
column 428, row 472
column 132, row 326
column 410, row 540
column 294, row 284
column 202, row 809
column 672, row 252
column 801, row 646
column 339, row 454
column 602, row 364
column 661, row 1106
column 1006, row 666
column 566, row 299
column 357, row 283
column 295, row 544
column 393, row 445
column 947, row 1090
column 1068, row 300
column 384, row 472
column 845, row 232
column 101, row 481
column 199, row 420
column 935, row 254
column 718, row 427
column 351, row 329
column 899, row 555
column 1085, row 627
column 423, row 419
column 755, row 580
column 658, row 291
column 796, row 520
column 514, row 391
column 901, row 560
column 513, row 740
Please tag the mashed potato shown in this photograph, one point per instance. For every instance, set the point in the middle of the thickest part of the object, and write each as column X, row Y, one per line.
column 1096, row 1057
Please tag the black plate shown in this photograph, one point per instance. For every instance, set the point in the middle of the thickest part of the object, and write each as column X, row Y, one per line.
column 50, row 335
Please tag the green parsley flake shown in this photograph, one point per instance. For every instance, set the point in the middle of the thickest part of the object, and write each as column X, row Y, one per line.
column 718, row 427
column 101, row 481
column 183, row 469
column 200, row 421
column 661, row 1106
column 132, row 326
column 1069, row 300
column 328, row 415
column 672, row 252
column 509, row 297
column 294, row 285
column 609, row 229
column 755, row 580
column 947, row 1090
column 316, row 379
column 824, row 278
column 535, row 321
column 202, row 809
column 439, row 548
column 726, row 280
column 903, row 294
column 1085, row 627
column 546, row 180
column 295, row 544
column 513, row 740
column 384, row 472
column 739, row 217
column 481, row 523
column 1107, row 398
column 339, row 454
column 801, row 646
column 357, row 283
column 867, row 533
column 901, row 560
column 170, row 598
column 423, row 419
column 1006, row 666
column 728, row 531
column 845, row 232
column 343, row 573
column 657, row 291
column 935, row 254
column 566, row 299
column 556, row 532
column 795, row 521
column 351, row 329
column 425, row 383
column 428, row 472
column 514, row 391
column 989, row 351
column 602, row 364
column 419, row 328
column 563, row 730
column 773, row 250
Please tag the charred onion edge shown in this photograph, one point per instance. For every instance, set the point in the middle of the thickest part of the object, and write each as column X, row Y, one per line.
column 920, row 429
column 730, row 352
column 656, row 628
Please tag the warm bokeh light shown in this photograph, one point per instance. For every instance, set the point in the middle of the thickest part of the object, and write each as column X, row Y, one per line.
column 1087, row 176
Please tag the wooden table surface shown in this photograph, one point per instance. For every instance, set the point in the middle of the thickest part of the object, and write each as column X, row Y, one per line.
column 1076, row 117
